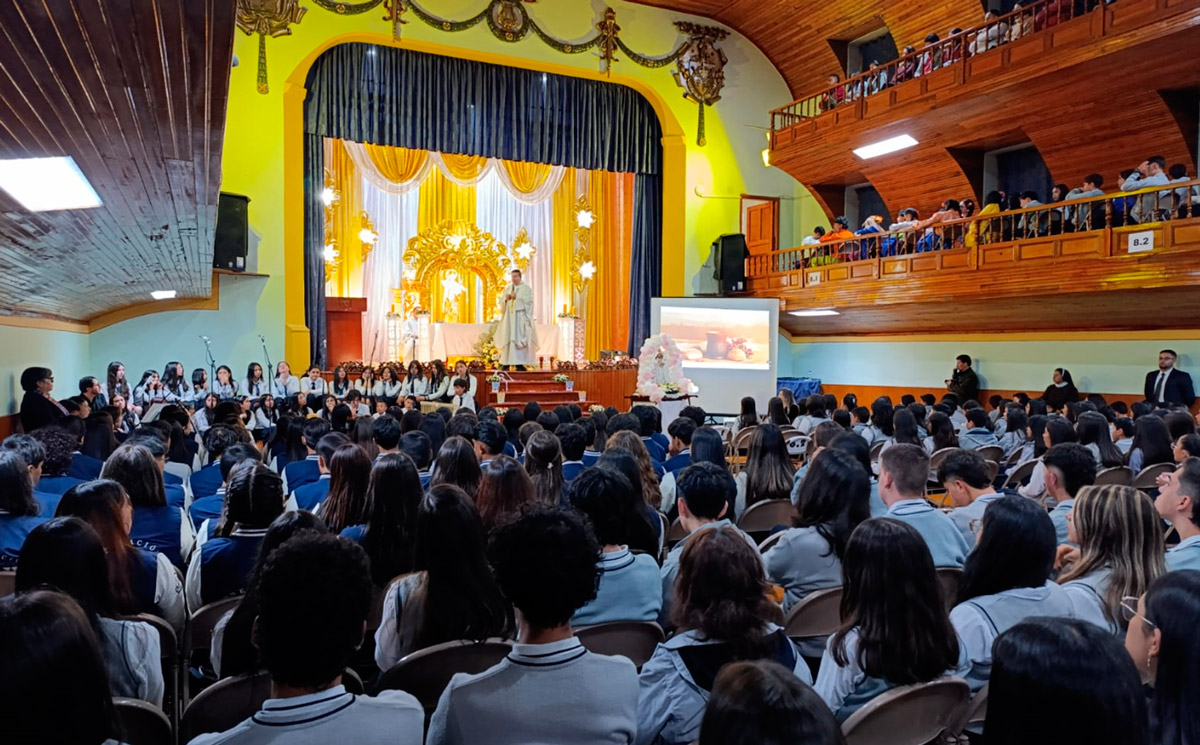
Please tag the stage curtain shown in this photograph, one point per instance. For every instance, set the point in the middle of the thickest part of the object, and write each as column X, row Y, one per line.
column 526, row 177
column 605, row 293
column 347, row 222
column 398, row 164
column 620, row 331
column 314, row 249
column 499, row 213
column 395, row 217
column 464, row 169
column 646, row 256
column 564, row 242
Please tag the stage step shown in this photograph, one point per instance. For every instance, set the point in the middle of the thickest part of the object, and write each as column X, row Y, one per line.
column 553, row 398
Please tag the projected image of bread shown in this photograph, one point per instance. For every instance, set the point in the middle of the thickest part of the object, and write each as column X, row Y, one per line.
column 714, row 337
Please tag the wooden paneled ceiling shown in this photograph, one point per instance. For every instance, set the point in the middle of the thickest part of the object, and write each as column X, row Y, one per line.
column 796, row 34
column 135, row 91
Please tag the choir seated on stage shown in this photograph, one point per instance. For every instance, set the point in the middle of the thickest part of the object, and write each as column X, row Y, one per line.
column 1044, row 580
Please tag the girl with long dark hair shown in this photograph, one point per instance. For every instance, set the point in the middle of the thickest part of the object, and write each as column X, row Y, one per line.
column 349, row 479
column 1016, row 426
column 99, row 437
column 894, row 630
column 20, row 512
column 199, row 387
column 790, row 409
column 456, row 464
column 882, row 415
column 762, row 702
column 341, row 384
column 149, row 391
column 157, row 526
column 253, row 385
column 768, row 473
column 1151, row 443
column 115, row 383
column 748, row 416
column 388, row 532
column 1057, row 430
column 175, row 388
column 504, row 489
column 1006, row 579
column 452, row 593
column 439, row 382
column 941, row 433
column 904, row 428
column 415, row 383
column 648, row 478
column 225, row 386
column 776, row 413
column 1095, row 435
column 543, row 463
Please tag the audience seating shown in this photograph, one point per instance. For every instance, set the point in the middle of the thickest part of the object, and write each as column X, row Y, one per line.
column 1147, row 478
column 993, row 470
column 819, row 614
column 427, row 672
column 949, row 578
column 169, row 649
column 909, row 715
column 676, row 532
column 8, row 582
column 876, row 449
column 1120, row 476
column 797, row 444
column 991, row 453
column 141, row 723
column 765, row 516
column 1020, row 474
column 974, row 713
column 197, row 634
column 936, row 459
column 770, row 541
column 227, row 702
column 635, row 640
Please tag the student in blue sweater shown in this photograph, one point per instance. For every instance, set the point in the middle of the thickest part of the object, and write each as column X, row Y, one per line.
column 20, row 513
column 297, row 473
column 680, row 451
column 208, row 480
column 205, row 512
column 903, row 472
column 550, row 688
column 629, row 588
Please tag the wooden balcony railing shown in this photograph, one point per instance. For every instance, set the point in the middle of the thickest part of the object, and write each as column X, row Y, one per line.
column 1031, row 19
column 1180, row 200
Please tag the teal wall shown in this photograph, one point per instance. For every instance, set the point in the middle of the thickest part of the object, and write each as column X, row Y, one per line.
column 1117, row 366
column 64, row 352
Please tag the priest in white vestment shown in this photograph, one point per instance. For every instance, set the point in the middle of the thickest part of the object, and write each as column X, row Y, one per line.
column 516, row 336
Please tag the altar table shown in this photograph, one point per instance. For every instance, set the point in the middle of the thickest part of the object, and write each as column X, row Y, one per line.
column 459, row 339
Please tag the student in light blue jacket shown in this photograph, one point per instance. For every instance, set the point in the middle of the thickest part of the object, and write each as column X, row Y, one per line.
column 903, row 473
column 1176, row 504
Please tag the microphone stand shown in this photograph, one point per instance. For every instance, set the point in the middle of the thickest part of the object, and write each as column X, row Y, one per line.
column 212, row 363
column 267, row 356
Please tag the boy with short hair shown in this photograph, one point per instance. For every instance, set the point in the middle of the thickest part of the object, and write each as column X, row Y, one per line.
column 310, row 496
column 903, row 473
column 462, row 398
column 679, row 454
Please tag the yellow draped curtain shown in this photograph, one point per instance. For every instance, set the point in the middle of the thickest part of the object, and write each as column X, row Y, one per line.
column 611, row 248
column 564, row 243
column 347, row 223
column 397, row 164
column 526, row 177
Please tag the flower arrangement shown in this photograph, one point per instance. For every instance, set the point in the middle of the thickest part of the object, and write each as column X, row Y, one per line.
column 596, row 409
column 560, row 378
column 494, row 378
column 660, row 369
column 485, row 348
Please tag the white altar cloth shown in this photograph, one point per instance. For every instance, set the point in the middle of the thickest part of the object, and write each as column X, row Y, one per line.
column 458, row 340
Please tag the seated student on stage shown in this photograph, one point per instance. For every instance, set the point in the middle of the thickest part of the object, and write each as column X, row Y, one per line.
column 462, row 398
column 630, row 588
column 572, row 438
column 66, row 554
column 1069, row 467
column 208, row 480
column 314, row 595
column 297, row 473
column 764, row 702
column 646, row 424
column 978, row 432
column 833, row 499
column 895, row 630
column 1040, row 664
column 679, row 454
column 722, row 612
column 704, row 492
column 311, row 495
column 157, row 526
column 386, row 433
column 313, row 384
column 1120, row 539
column 142, row 581
column 205, row 512
column 964, row 474
column 221, row 567
column 350, row 476
column 451, row 593
column 20, row 513
column 1006, row 579
column 1176, row 503
column 232, row 650
column 59, row 448
column 903, row 472
column 550, row 688
column 490, row 437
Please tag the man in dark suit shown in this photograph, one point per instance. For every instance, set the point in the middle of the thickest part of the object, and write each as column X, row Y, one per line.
column 1168, row 385
column 963, row 382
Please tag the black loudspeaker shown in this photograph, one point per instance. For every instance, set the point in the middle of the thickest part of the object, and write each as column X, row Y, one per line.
column 729, row 262
column 231, row 243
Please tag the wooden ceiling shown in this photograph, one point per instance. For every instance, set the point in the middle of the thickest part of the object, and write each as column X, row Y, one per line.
column 796, row 34
column 135, row 91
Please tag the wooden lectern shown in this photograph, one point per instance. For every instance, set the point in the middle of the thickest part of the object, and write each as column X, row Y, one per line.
column 343, row 327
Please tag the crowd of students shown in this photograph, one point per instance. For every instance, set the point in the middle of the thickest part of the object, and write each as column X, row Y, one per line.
column 525, row 524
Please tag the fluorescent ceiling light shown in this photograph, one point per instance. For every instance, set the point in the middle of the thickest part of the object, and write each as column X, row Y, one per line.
column 814, row 313
column 883, row 147
column 162, row 294
column 45, row 184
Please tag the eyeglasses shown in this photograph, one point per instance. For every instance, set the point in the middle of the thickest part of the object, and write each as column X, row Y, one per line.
column 1129, row 611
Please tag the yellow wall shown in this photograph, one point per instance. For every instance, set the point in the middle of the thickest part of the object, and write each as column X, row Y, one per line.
column 728, row 166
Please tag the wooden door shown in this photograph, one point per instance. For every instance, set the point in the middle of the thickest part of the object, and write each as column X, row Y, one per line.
column 762, row 222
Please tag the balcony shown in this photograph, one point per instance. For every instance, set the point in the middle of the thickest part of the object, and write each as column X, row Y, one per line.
column 1081, row 265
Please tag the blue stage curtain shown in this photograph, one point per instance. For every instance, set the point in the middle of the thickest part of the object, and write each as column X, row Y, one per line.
column 314, row 251
column 401, row 98
column 646, row 260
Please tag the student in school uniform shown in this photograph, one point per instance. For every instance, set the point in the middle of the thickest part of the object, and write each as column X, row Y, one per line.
column 1176, row 503
column 225, row 386
column 1068, row 467
column 1016, row 425
column 415, row 383
column 895, row 630
column 310, row 496
column 59, row 448
column 157, row 526
column 175, row 386
column 646, row 419
column 207, row 480
column 148, row 391
column 1006, row 579
column 630, row 588
column 152, row 440
column 20, row 513
column 834, row 497
column 389, row 386
column 115, row 384
column 366, row 384
column 903, row 472
column 313, row 384
column 83, row 466
column 462, row 397
column 387, row 530
column 205, row 512
column 341, row 385
column 313, row 598
column 439, row 382
column 1120, row 552
column 461, row 371
column 550, row 688
column 357, row 404
column 964, row 474
column 65, row 553
column 417, row 445
column 141, row 581
column 704, row 493
column 978, row 432
column 254, row 384
column 297, row 473
column 199, row 390
column 385, row 431
column 761, row 701
column 34, row 455
column 573, row 440
column 679, row 454
column 222, row 566
column 722, row 613
column 350, row 478
column 490, row 437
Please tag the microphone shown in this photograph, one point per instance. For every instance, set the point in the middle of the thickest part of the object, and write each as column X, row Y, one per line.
column 205, row 339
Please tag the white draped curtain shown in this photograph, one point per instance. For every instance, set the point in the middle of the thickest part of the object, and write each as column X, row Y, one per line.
column 499, row 213
column 395, row 218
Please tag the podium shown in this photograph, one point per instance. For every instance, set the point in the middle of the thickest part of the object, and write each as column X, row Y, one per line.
column 343, row 328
